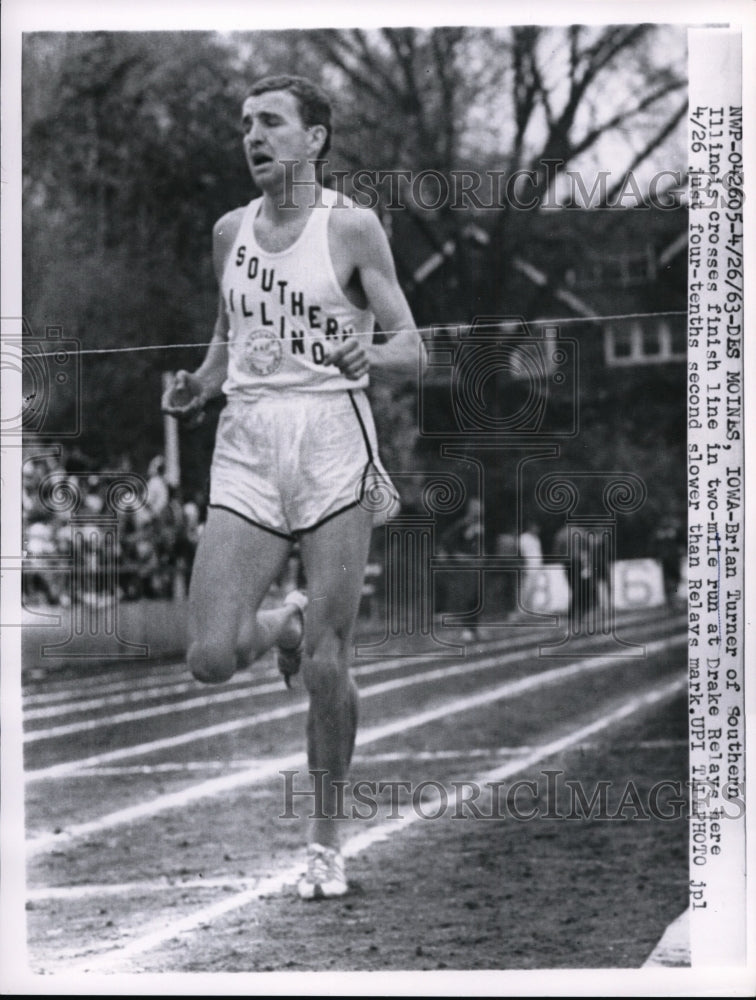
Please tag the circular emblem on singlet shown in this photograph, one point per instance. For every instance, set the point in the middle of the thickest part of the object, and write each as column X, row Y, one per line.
column 262, row 352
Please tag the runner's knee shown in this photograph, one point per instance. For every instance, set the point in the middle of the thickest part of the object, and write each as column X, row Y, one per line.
column 330, row 626
column 212, row 662
column 326, row 679
column 329, row 647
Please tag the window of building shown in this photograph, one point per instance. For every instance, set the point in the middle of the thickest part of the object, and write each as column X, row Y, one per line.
column 637, row 342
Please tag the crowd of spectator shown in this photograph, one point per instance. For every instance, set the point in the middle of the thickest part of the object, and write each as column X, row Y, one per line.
column 81, row 546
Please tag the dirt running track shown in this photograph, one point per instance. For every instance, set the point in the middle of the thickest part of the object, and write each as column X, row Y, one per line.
column 156, row 843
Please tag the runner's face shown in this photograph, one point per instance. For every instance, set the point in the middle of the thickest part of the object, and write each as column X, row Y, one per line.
column 273, row 133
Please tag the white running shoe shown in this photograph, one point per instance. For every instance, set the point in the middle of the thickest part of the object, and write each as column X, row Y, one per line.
column 290, row 660
column 325, row 877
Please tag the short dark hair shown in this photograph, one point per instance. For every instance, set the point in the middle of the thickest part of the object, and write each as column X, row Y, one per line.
column 314, row 105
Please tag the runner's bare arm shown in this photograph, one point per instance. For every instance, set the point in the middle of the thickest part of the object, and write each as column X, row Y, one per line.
column 190, row 391
column 403, row 351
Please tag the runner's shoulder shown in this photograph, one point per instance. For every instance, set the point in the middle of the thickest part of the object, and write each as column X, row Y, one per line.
column 225, row 232
column 226, row 228
column 357, row 224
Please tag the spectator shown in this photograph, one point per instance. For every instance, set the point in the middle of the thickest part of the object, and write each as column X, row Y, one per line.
column 158, row 492
column 669, row 548
column 464, row 537
column 156, row 543
column 506, row 545
column 532, row 552
column 37, row 583
column 586, row 563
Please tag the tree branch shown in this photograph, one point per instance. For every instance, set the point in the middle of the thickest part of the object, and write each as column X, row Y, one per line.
column 650, row 146
column 624, row 116
column 328, row 46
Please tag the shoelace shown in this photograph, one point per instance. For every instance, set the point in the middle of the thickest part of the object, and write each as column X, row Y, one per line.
column 323, row 867
column 319, row 869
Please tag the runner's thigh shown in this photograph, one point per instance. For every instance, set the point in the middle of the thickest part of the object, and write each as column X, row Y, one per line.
column 334, row 557
column 235, row 565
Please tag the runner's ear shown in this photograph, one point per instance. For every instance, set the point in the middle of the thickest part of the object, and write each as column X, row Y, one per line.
column 317, row 135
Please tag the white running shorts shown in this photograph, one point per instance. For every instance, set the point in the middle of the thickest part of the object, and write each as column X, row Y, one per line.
column 289, row 463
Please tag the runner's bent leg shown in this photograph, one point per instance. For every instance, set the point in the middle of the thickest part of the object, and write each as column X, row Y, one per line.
column 235, row 565
column 334, row 557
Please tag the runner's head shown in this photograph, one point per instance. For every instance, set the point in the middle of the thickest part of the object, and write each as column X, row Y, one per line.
column 313, row 103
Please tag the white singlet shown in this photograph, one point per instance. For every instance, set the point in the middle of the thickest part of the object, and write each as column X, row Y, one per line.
column 296, row 442
column 286, row 309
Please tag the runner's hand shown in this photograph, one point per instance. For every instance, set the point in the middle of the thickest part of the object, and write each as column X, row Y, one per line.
column 350, row 358
column 185, row 399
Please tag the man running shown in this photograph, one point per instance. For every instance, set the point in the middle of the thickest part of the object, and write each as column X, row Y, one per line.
column 304, row 274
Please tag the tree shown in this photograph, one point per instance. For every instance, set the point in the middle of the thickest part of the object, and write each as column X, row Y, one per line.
column 507, row 100
column 130, row 154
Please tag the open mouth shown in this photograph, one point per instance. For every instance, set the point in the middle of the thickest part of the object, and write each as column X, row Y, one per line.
column 259, row 159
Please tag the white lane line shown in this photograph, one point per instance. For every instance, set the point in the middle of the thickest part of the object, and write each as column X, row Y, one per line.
column 272, row 715
column 71, row 893
column 673, row 950
column 73, row 767
column 161, row 932
column 265, row 770
column 174, row 767
column 148, row 686
column 203, row 701
column 53, row 692
column 55, row 708
column 180, row 767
